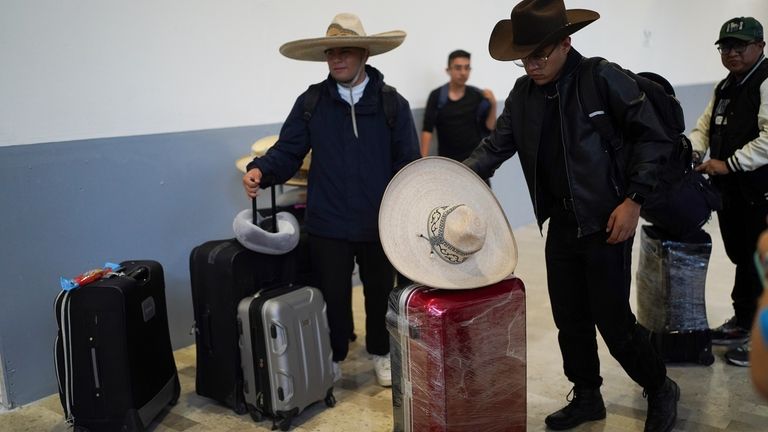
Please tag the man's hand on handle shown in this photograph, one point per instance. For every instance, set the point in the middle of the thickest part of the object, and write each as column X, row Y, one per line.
column 251, row 182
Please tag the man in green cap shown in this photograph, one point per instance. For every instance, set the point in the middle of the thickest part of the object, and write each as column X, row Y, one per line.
column 734, row 128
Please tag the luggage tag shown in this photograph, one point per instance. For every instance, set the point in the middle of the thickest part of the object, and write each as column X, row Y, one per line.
column 90, row 276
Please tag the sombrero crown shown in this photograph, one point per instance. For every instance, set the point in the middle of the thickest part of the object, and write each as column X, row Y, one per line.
column 345, row 30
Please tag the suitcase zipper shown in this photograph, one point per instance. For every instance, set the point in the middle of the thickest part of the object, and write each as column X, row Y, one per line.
column 67, row 351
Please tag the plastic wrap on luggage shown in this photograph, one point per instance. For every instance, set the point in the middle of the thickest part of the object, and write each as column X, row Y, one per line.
column 670, row 282
column 458, row 358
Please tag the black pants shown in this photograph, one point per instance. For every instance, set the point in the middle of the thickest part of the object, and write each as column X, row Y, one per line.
column 589, row 281
column 333, row 262
column 740, row 225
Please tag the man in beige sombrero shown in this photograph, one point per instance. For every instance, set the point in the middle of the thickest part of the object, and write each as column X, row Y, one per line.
column 359, row 137
column 593, row 210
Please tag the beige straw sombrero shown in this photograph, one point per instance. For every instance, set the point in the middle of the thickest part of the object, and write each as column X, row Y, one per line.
column 345, row 31
column 441, row 226
column 260, row 147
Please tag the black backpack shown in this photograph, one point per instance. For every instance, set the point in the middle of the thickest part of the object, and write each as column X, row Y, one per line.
column 683, row 199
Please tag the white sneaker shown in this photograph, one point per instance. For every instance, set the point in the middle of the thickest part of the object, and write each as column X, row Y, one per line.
column 336, row 372
column 383, row 369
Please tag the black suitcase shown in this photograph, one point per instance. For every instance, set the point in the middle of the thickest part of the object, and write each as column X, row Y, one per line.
column 114, row 361
column 670, row 295
column 223, row 272
column 687, row 346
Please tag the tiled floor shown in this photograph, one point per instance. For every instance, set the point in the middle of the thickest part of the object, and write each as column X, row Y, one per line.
column 715, row 398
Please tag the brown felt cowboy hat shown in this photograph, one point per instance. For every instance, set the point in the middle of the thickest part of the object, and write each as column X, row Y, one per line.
column 534, row 24
column 345, row 31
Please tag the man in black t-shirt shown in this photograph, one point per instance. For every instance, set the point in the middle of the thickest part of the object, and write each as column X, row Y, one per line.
column 462, row 114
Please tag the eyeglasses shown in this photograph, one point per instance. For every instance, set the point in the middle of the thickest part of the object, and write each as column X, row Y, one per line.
column 535, row 59
column 738, row 48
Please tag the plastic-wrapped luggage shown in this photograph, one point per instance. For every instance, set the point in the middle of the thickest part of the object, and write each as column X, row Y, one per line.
column 671, row 304
column 458, row 358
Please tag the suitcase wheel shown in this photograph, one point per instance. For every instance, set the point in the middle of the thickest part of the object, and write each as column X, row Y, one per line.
column 706, row 358
column 256, row 415
column 285, row 424
column 330, row 399
column 240, row 409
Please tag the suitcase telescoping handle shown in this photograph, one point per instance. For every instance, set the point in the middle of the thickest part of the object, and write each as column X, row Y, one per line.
column 140, row 274
column 273, row 225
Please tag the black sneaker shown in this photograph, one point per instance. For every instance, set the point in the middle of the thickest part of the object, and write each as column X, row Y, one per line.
column 739, row 356
column 662, row 407
column 730, row 333
column 586, row 405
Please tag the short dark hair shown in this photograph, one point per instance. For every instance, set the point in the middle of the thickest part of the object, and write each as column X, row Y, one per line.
column 458, row 53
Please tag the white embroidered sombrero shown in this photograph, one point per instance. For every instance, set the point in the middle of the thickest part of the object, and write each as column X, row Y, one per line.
column 441, row 226
column 345, row 31
column 260, row 147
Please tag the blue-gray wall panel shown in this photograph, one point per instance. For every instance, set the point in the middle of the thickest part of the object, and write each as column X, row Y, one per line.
column 71, row 206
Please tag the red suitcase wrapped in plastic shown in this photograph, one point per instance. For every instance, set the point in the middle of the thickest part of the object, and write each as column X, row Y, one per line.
column 459, row 358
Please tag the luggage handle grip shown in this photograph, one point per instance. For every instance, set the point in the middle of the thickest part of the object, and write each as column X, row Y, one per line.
column 140, row 274
column 273, row 227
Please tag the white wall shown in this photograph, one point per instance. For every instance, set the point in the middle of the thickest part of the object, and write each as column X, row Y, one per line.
column 80, row 69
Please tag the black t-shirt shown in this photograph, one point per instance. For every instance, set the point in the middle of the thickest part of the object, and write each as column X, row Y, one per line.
column 551, row 161
column 458, row 129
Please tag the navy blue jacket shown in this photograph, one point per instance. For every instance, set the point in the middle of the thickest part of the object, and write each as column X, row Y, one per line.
column 348, row 174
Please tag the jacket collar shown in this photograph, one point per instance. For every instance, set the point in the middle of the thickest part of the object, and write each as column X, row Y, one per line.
column 374, row 75
column 569, row 67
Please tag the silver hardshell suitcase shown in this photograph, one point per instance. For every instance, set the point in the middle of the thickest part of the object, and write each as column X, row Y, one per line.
column 285, row 352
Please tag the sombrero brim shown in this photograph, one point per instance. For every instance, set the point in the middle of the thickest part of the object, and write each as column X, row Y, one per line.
column 314, row 49
column 502, row 45
column 260, row 148
column 411, row 195
column 299, row 179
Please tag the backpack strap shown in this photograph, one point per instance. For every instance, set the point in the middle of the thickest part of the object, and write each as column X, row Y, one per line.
column 389, row 102
column 311, row 97
column 593, row 104
column 442, row 97
column 482, row 109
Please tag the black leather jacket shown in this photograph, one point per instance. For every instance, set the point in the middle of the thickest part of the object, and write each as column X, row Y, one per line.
column 597, row 183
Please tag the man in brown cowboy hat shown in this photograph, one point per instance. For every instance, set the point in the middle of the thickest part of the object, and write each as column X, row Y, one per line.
column 593, row 210
column 356, row 149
